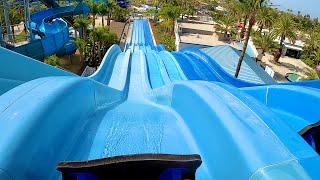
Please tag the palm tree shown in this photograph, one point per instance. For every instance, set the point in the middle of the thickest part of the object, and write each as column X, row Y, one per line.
column 264, row 18
column 99, row 35
column 311, row 74
column 94, row 10
column 265, row 42
column 225, row 25
column 316, row 56
column 15, row 18
column 83, row 24
column 170, row 13
column 313, row 39
column 110, row 7
column 244, row 12
column 103, row 9
column 81, row 46
column 254, row 6
column 283, row 28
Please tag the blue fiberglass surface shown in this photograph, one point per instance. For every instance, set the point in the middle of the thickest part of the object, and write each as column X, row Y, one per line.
column 295, row 113
column 171, row 68
column 19, row 69
column 186, row 66
column 117, row 111
column 154, row 72
column 201, row 67
column 249, row 51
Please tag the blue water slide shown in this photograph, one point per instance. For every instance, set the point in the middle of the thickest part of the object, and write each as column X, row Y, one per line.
column 238, row 132
column 220, row 74
column 154, row 72
column 173, row 69
column 55, row 34
column 186, row 66
column 17, row 69
column 202, row 68
column 297, row 113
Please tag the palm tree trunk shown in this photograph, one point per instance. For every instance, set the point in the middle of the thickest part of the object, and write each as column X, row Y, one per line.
column 99, row 51
column 13, row 35
column 94, row 21
column 278, row 54
column 251, row 23
column 108, row 19
column 243, row 29
column 84, row 34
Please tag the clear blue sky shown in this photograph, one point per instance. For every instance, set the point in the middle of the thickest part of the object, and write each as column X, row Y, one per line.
column 311, row 7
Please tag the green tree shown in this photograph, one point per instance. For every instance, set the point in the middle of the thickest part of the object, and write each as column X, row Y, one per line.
column 225, row 25
column 283, row 28
column 81, row 46
column 265, row 42
column 52, row 60
column 83, row 24
column 120, row 14
column 94, row 10
column 111, row 5
column 254, row 6
column 103, row 10
column 170, row 13
column 15, row 18
column 264, row 18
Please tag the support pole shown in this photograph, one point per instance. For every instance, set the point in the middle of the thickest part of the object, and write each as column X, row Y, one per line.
column 1, row 34
column 6, row 18
column 38, row 6
column 28, row 19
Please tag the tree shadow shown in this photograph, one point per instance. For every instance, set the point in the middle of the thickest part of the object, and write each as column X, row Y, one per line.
column 292, row 67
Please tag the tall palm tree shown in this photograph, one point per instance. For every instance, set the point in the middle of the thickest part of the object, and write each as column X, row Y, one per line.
column 284, row 28
column 225, row 25
column 81, row 45
column 83, row 24
column 243, row 11
column 103, row 10
column 313, row 39
column 94, row 10
column 316, row 56
column 254, row 6
column 264, row 18
column 111, row 4
column 265, row 42
column 170, row 13
column 99, row 36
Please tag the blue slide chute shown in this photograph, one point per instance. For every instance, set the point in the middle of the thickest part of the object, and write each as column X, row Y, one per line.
column 138, row 102
column 54, row 32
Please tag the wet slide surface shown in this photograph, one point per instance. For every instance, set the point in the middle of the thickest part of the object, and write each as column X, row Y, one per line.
column 138, row 102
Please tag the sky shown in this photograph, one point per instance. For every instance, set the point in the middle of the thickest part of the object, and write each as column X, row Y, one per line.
column 311, row 7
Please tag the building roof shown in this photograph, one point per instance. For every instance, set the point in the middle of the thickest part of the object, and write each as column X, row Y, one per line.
column 227, row 57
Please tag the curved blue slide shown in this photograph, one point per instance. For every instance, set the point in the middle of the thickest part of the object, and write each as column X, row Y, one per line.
column 129, row 106
column 54, row 32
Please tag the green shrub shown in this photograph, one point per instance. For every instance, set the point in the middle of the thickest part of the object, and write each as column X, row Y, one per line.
column 52, row 60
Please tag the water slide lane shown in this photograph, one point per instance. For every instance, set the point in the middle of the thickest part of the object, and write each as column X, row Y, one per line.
column 173, row 70
column 154, row 73
column 186, row 66
column 201, row 68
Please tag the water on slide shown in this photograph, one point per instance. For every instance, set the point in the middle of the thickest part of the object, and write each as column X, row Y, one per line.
column 114, row 112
